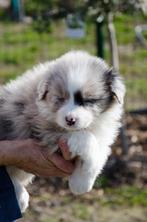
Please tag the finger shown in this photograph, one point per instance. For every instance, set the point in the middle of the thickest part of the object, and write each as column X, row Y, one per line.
column 54, row 173
column 64, row 149
column 64, row 165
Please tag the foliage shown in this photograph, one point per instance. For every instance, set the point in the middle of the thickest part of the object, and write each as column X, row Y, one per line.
column 105, row 6
column 39, row 11
column 37, row 6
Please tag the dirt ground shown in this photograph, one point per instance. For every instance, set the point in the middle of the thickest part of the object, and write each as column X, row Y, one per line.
column 51, row 201
column 56, row 211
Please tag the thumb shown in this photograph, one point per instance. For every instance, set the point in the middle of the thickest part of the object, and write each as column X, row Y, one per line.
column 64, row 149
column 64, row 165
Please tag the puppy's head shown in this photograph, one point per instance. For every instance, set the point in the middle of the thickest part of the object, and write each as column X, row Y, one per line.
column 77, row 89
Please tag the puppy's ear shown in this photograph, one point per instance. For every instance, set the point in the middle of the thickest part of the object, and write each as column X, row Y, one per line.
column 42, row 90
column 114, row 85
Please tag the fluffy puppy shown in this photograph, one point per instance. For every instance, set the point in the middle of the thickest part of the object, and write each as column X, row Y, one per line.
column 76, row 96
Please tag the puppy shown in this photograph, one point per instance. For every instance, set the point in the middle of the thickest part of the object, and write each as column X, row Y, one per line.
column 76, row 97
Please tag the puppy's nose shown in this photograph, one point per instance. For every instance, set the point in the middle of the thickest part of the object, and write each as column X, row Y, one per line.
column 70, row 120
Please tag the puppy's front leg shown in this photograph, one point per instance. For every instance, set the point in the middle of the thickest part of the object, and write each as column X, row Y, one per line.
column 84, row 145
column 21, row 194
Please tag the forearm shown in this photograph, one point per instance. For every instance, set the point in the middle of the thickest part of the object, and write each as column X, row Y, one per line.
column 19, row 153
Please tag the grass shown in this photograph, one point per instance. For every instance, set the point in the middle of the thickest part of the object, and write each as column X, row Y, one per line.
column 22, row 47
column 125, row 28
column 126, row 195
column 81, row 211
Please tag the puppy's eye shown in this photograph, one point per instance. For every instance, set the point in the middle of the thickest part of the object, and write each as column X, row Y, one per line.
column 91, row 101
column 60, row 99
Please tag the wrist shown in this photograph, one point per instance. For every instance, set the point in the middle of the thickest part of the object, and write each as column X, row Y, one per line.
column 9, row 152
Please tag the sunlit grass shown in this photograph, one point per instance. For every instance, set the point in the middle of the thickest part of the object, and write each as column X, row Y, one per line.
column 126, row 195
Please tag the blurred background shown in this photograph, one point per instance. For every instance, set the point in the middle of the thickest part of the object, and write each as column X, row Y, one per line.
column 36, row 31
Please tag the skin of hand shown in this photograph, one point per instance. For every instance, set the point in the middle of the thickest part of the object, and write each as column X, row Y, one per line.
column 29, row 156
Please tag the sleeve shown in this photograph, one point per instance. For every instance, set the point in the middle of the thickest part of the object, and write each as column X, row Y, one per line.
column 9, row 208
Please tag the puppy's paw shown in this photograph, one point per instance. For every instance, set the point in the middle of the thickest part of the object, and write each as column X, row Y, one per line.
column 79, row 184
column 82, row 179
column 23, row 200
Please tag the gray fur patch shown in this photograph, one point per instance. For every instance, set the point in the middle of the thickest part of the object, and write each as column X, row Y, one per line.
column 2, row 101
column 19, row 107
column 6, row 127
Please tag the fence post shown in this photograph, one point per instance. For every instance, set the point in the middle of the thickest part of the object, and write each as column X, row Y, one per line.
column 17, row 10
column 100, row 37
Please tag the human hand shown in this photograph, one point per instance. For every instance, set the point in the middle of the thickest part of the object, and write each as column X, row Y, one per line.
column 29, row 156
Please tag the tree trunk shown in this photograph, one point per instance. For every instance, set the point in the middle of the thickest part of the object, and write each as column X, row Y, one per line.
column 113, row 42
column 115, row 64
